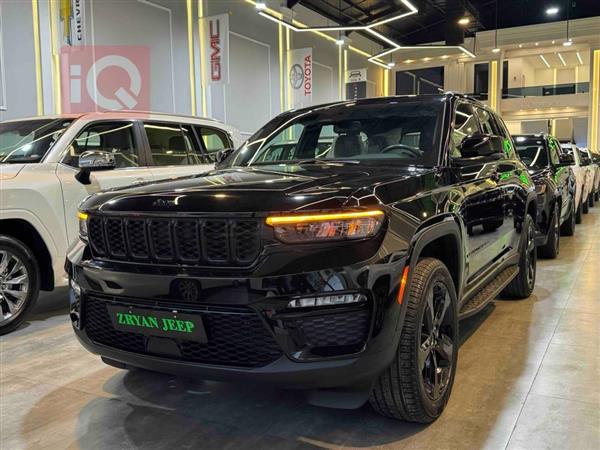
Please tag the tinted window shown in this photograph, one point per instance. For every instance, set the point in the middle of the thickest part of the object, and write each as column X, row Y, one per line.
column 115, row 138
column 213, row 140
column 532, row 151
column 171, row 145
column 554, row 149
column 407, row 133
column 28, row 141
column 465, row 124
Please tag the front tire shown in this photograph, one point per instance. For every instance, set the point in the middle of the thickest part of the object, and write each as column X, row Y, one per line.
column 552, row 247
column 578, row 215
column 19, row 283
column 585, row 206
column 591, row 199
column 522, row 285
column 417, row 384
column 568, row 228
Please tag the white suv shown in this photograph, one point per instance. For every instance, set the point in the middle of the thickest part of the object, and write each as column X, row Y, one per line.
column 584, row 177
column 48, row 165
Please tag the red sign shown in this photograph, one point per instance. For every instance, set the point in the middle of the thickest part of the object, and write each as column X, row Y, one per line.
column 100, row 78
column 214, row 30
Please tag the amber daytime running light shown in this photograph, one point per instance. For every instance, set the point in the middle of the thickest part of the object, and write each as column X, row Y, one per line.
column 326, row 227
column 82, row 218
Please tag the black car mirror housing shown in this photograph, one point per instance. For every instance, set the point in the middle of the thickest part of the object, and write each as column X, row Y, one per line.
column 481, row 145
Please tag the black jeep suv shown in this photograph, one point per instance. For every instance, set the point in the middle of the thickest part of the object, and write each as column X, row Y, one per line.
column 555, row 185
column 336, row 254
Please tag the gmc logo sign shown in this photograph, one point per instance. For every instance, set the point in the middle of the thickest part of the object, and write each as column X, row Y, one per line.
column 214, row 32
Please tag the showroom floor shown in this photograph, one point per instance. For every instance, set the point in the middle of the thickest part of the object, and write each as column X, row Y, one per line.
column 527, row 378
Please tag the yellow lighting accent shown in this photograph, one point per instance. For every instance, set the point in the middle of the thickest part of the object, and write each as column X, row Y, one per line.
column 82, row 216
column 344, row 74
column 282, row 77
column 192, row 68
column 54, row 43
column 38, row 61
column 288, row 65
column 554, row 76
column 493, row 89
column 340, row 74
column 202, row 61
column 386, row 83
column 282, row 220
column 595, row 101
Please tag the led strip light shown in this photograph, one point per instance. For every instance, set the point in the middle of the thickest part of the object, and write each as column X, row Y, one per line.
column 375, row 59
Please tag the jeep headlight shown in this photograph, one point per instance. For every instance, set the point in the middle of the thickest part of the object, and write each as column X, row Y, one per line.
column 83, row 224
column 326, row 227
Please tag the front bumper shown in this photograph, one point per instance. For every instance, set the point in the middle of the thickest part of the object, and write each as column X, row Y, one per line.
column 252, row 333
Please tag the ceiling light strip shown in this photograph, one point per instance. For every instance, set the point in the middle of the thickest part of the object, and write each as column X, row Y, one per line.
column 562, row 60
column 545, row 61
column 579, row 58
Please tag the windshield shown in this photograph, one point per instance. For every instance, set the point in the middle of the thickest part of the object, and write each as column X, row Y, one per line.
column 406, row 133
column 532, row 151
column 28, row 141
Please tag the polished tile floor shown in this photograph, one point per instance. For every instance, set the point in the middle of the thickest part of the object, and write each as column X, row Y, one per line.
column 528, row 378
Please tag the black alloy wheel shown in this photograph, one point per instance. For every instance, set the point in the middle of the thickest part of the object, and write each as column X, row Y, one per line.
column 552, row 246
column 522, row 285
column 417, row 384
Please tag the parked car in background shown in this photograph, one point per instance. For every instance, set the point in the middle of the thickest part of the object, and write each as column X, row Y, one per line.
column 340, row 269
column 583, row 175
column 589, row 158
column 555, row 186
column 48, row 165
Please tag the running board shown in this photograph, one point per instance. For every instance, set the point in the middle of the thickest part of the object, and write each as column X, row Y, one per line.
column 488, row 293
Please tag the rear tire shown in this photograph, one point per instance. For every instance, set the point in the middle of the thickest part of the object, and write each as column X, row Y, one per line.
column 552, row 247
column 522, row 285
column 585, row 206
column 578, row 215
column 19, row 283
column 591, row 199
column 568, row 228
column 417, row 384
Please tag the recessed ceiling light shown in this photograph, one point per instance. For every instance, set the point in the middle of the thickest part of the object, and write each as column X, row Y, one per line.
column 552, row 10
column 408, row 61
column 537, row 43
column 520, row 45
column 554, row 42
column 426, row 59
column 545, row 61
column 391, row 64
column 464, row 21
column 260, row 5
column 562, row 60
column 568, row 43
column 495, row 50
column 444, row 57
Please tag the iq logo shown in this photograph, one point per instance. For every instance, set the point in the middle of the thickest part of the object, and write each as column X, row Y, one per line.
column 99, row 78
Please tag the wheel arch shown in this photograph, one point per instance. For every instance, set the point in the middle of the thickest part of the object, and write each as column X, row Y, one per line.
column 25, row 232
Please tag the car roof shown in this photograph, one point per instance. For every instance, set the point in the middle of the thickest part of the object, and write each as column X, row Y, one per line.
column 121, row 114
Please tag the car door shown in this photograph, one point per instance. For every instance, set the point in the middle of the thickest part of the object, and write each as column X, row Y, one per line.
column 174, row 150
column 122, row 138
column 483, row 210
column 562, row 178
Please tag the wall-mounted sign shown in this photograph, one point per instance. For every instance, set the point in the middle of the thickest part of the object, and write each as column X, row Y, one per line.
column 216, row 48
column 300, row 77
column 73, row 22
column 356, row 75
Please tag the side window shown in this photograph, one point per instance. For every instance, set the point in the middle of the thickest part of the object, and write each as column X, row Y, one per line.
column 554, row 147
column 115, row 138
column 487, row 122
column 465, row 124
column 282, row 146
column 213, row 140
column 171, row 145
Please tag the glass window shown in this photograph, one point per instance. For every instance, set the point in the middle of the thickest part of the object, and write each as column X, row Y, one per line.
column 28, row 141
column 465, row 124
column 213, row 140
column 532, row 151
column 171, row 145
column 115, row 138
column 487, row 122
column 405, row 132
column 554, row 148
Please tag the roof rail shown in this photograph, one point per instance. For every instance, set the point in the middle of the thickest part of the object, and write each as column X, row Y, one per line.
column 188, row 116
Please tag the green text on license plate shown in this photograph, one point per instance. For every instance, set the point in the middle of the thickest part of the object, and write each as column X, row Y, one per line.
column 157, row 323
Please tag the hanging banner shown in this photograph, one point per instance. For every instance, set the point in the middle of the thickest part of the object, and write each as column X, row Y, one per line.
column 72, row 20
column 216, row 48
column 300, row 77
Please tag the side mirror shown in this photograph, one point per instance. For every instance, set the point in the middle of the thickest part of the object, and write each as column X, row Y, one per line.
column 481, row 145
column 566, row 160
column 222, row 155
column 94, row 160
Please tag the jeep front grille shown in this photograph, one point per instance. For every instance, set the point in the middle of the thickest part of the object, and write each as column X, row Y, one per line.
column 191, row 241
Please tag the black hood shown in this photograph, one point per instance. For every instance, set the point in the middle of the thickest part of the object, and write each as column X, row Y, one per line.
column 282, row 187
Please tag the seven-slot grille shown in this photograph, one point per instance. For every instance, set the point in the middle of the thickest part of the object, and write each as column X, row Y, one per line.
column 194, row 241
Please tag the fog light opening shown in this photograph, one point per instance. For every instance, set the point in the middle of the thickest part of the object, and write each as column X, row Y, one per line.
column 327, row 300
